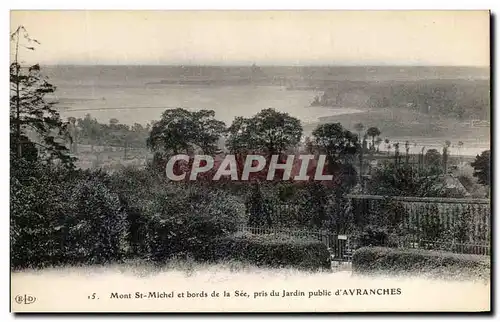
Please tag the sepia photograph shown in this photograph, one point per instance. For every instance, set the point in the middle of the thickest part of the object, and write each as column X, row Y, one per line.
column 250, row 161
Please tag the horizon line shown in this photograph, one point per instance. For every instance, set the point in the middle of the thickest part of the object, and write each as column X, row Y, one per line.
column 264, row 65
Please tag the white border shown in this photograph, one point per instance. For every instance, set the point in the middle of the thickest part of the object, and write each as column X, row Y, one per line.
column 198, row 5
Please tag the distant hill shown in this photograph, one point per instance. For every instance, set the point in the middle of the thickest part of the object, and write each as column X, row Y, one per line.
column 303, row 74
column 397, row 122
column 462, row 99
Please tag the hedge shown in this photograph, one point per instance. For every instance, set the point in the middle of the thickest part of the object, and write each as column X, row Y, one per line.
column 270, row 251
column 85, row 217
column 375, row 260
column 55, row 224
column 182, row 220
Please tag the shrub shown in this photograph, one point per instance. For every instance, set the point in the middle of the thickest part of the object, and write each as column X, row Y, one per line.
column 36, row 205
column 259, row 208
column 314, row 208
column 182, row 219
column 95, row 227
column 372, row 236
column 58, row 218
column 271, row 250
column 434, row 263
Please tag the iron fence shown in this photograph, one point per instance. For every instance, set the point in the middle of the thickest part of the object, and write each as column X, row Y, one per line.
column 456, row 225
column 451, row 224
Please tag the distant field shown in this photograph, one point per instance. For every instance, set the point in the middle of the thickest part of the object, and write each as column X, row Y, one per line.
column 399, row 123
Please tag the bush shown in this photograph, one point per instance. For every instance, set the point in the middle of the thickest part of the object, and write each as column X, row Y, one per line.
column 182, row 220
column 36, row 205
column 57, row 218
column 271, row 250
column 434, row 263
column 372, row 236
column 95, row 226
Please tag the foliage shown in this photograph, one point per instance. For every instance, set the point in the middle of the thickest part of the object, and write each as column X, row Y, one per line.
column 372, row 236
column 339, row 144
column 181, row 220
column 36, row 204
column 406, row 180
column 482, row 165
column 94, row 229
column 373, row 132
column 378, row 223
column 63, row 217
column 462, row 229
column 314, row 210
column 269, row 131
column 90, row 131
column 259, row 208
column 179, row 130
column 34, row 123
column 359, row 127
column 403, row 261
column 341, row 148
column 433, row 158
column 431, row 226
column 460, row 99
column 271, row 251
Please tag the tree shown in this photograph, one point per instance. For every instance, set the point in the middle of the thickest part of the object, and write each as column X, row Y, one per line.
column 33, row 120
column 387, row 145
column 396, row 152
column 433, row 158
column 481, row 166
column 180, row 130
column 309, row 145
column 407, row 149
column 259, row 209
column 460, row 146
column 378, row 141
column 90, row 130
column 314, row 210
column 269, row 131
column 373, row 132
column 446, row 147
column 405, row 180
column 341, row 148
column 359, row 127
column 339, row 144
column 117, row 134
column 209, row 130
column 72, row 134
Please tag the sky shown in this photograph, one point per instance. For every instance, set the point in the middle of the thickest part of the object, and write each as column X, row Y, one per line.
column 439, row 38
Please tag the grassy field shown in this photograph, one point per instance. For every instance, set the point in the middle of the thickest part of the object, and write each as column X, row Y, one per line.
column 400, row 122
column 72, row 288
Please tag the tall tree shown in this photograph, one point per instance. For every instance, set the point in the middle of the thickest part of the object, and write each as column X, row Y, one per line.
column 407, row 149
column 373, row 132
column 91, row 131
column 339, row 144
column 259, row 209
column 482, row 165
column 341, row 148
column 33, row 119
column 378, row 141
column 359, row 127
column 269, row 131
column 179, row 130
column 406, row 180
column 446, row 148
column 433, row 158
column 460, row 146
